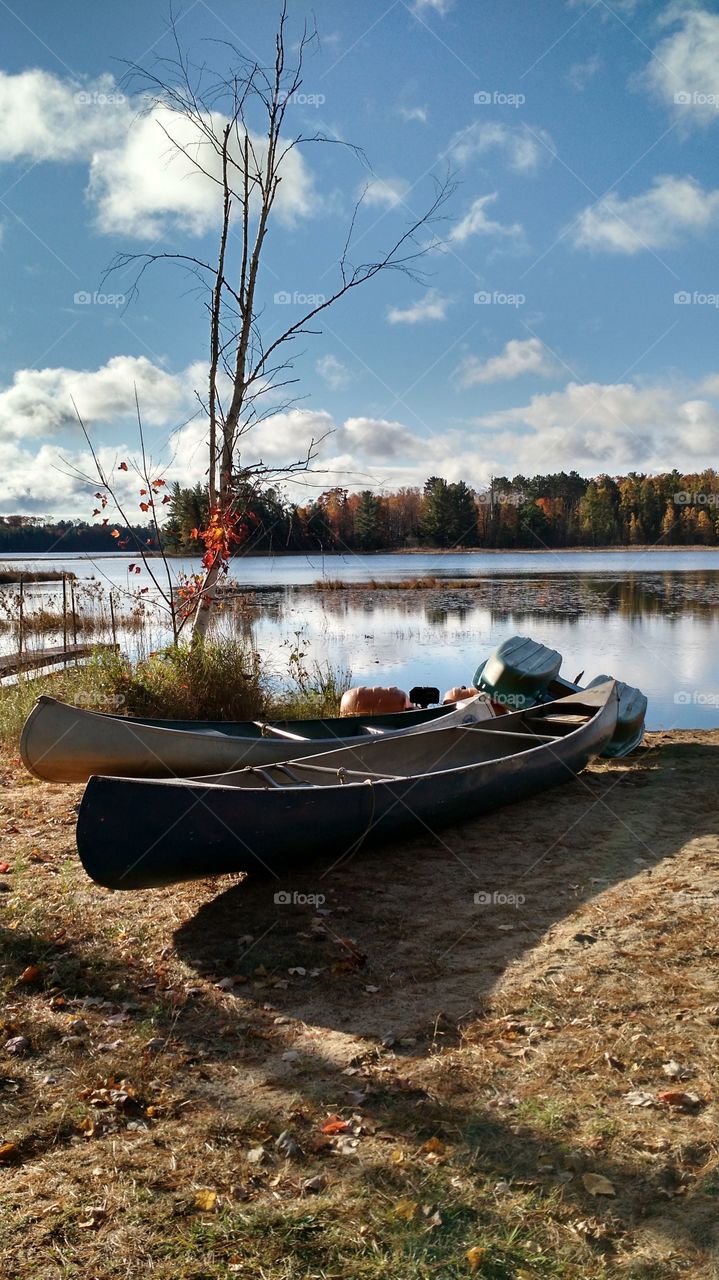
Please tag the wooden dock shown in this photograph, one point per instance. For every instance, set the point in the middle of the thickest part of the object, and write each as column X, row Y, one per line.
column 30, row 659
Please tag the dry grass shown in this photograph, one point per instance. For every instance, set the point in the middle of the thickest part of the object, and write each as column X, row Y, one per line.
column 8, row 576
column 480, row 1057
column 429, row 583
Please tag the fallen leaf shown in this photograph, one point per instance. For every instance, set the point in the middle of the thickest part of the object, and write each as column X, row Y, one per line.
column 639, row 1098
column 29, row 975
column 406, row 1209
column 4, row 868
column 8, row 1152
column 96, row 1214
column 677, row 1098
column 314, row 1185
column 18, row 1045
column 434, row 1145
column 335, row 1125
column 597, row 1185
column 674, row 1071
column 205, row 1200
column 432, row 1215
column 434, row 1151
column 256, row 1155
column 287, row 1145
column 475, row 1257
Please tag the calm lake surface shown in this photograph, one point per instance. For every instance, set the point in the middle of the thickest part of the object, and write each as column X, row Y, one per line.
column 650, row 617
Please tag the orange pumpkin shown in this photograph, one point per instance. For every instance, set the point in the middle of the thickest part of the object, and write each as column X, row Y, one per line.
column 458, row 692
column 376, row 701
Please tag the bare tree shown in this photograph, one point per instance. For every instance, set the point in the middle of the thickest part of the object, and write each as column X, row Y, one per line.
column 248, row 363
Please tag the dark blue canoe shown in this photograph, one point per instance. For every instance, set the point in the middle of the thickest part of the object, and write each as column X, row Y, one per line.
column 137, row 833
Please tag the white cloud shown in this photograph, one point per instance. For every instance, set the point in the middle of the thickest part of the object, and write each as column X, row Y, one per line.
column 286, row 436
column 580, row 74
column 516, row 358
column 45, row 118
column 39, row 401
column 442, row 7
column 139, row 184
column 148, row 183
column 419, row 114
column 334, row 372
column 654, row 220
column 608, row 427
column 524, row 149
column 433, row 306
column 476, row 223
column 594, row 428
column 684, row 71
column 376, row 438
column 58, row 493
column 387, row 192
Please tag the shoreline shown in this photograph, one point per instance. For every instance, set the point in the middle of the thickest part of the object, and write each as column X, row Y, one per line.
column 365, row 555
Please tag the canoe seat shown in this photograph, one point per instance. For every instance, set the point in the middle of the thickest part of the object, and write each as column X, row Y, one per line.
column 265, row 775
column 271, row 730
column 565, row 723
column 517, row 737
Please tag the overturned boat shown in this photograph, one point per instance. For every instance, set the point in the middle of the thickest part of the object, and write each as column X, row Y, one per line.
column 62, row 743
column 522, row 672
column 138, row 834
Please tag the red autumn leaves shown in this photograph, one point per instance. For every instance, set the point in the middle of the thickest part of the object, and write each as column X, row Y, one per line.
column 149, row 498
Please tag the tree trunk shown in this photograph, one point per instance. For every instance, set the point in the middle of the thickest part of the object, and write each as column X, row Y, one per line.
column 208, row 594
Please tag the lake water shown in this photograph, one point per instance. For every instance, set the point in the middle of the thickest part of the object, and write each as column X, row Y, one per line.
column 650, row 618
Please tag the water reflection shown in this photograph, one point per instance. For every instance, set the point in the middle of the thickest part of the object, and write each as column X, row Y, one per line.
column 658, row 631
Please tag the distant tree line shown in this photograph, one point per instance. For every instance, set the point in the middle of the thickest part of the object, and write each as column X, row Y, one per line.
column 559, row 510
column 31, row 535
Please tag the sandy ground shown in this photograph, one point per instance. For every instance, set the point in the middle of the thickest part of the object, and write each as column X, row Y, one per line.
column 585, row 965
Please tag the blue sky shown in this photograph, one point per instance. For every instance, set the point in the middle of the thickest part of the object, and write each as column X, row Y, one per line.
column 569, row 320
